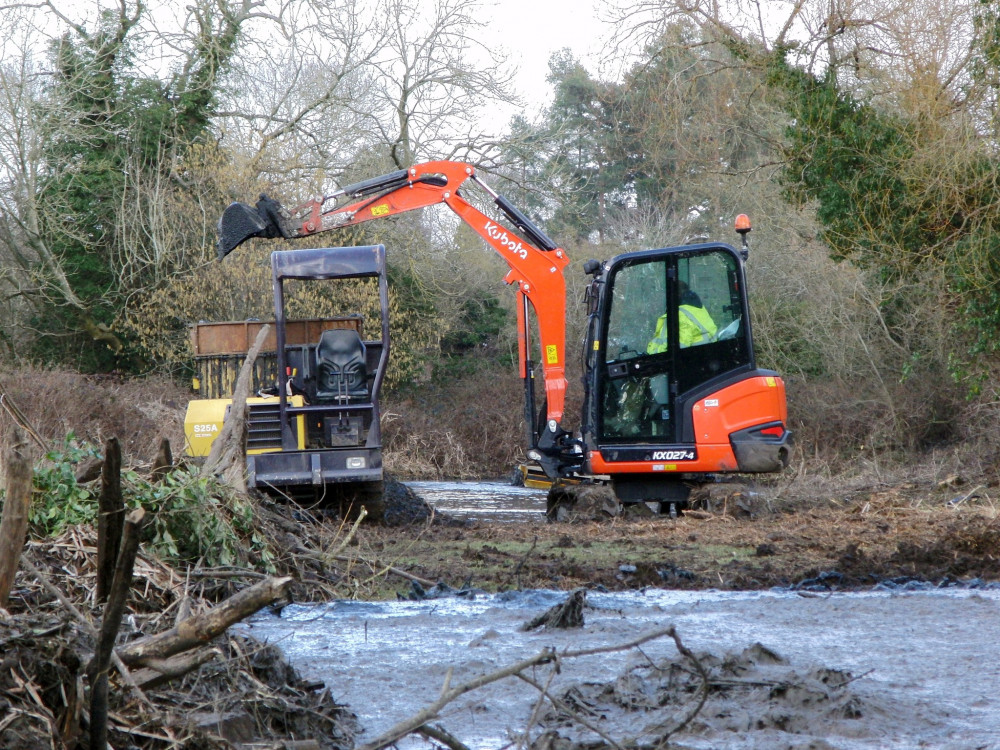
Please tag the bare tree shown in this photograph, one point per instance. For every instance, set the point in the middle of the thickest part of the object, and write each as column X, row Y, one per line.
column 78, row 105
column 180, row 120
column 435, row 80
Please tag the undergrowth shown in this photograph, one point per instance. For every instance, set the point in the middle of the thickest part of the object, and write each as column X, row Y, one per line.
column 193, row 518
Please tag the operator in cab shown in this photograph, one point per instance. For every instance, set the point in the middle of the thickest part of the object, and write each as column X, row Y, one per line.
column 694, row 323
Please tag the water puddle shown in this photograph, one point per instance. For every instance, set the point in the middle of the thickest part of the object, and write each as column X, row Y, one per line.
column 483, row 501
column 924, row 663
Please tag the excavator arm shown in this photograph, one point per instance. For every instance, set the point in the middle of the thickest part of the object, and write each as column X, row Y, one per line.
column 535, row 263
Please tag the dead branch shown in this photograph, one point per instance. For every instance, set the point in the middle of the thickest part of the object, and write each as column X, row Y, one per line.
column 14, row 525
column 22, row 421
column 516, row 575
column 440, row 734
column 201, row 628
column 448, row 693
column 702, row 691
column 375, row 564
column 120, row 586
column 663, row 730
column 569, row 711
column 655, row 635
column 110, row 624
column 159, row 671
column 227, row 457
column 88, row 626
column 543, row 694
column 111, row 517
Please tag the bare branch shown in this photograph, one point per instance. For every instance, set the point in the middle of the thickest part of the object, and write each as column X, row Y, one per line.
column 448, row 694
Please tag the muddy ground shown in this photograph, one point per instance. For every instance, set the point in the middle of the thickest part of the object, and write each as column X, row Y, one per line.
column 933, row 532
column 893, row 535
column 888, row 534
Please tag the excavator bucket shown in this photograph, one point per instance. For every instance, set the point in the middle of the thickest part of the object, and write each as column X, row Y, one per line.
column 239, row 223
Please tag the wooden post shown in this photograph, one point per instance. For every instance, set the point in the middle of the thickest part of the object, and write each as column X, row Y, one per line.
column 163, row 462
column 110, row 623
column 111, row 516
column 14, row 524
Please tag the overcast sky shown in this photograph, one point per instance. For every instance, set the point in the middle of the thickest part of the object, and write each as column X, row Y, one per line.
column 533, row 29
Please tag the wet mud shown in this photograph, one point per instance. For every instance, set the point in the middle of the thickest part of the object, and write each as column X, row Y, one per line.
column 883, row 537
column 858, row 623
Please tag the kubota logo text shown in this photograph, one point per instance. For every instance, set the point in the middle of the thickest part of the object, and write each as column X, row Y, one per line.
column 511, row 244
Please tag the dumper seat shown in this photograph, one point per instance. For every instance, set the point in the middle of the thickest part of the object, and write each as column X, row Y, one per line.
column 341, row 372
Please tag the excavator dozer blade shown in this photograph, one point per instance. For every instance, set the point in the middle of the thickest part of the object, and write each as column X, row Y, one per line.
column 239, row 223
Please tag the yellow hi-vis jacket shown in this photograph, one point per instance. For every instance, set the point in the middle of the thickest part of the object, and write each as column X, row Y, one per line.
column 695, row 324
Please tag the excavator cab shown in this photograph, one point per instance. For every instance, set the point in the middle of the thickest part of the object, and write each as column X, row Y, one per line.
column 673, row 389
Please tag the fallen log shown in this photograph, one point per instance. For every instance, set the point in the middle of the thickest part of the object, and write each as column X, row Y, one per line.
column 227, row 457
column 201, row 628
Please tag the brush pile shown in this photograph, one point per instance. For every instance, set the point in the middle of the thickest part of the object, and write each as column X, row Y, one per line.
column 234, row 692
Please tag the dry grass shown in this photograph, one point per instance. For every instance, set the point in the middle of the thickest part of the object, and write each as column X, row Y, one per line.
column 471, row 427
column 96, row 407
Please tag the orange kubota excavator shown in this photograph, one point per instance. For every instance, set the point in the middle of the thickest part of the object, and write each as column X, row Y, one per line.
column 672, row 393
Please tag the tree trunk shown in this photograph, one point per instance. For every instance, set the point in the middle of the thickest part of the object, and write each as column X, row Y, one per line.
column 228, row 455
column 14, row 525
column 111, row 516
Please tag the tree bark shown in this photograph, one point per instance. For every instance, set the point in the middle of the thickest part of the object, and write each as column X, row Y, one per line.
column 111, row 516
column 228, row 454
column 201, row 628
column 163, row 462
column 14, row 524
column 109, row 630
